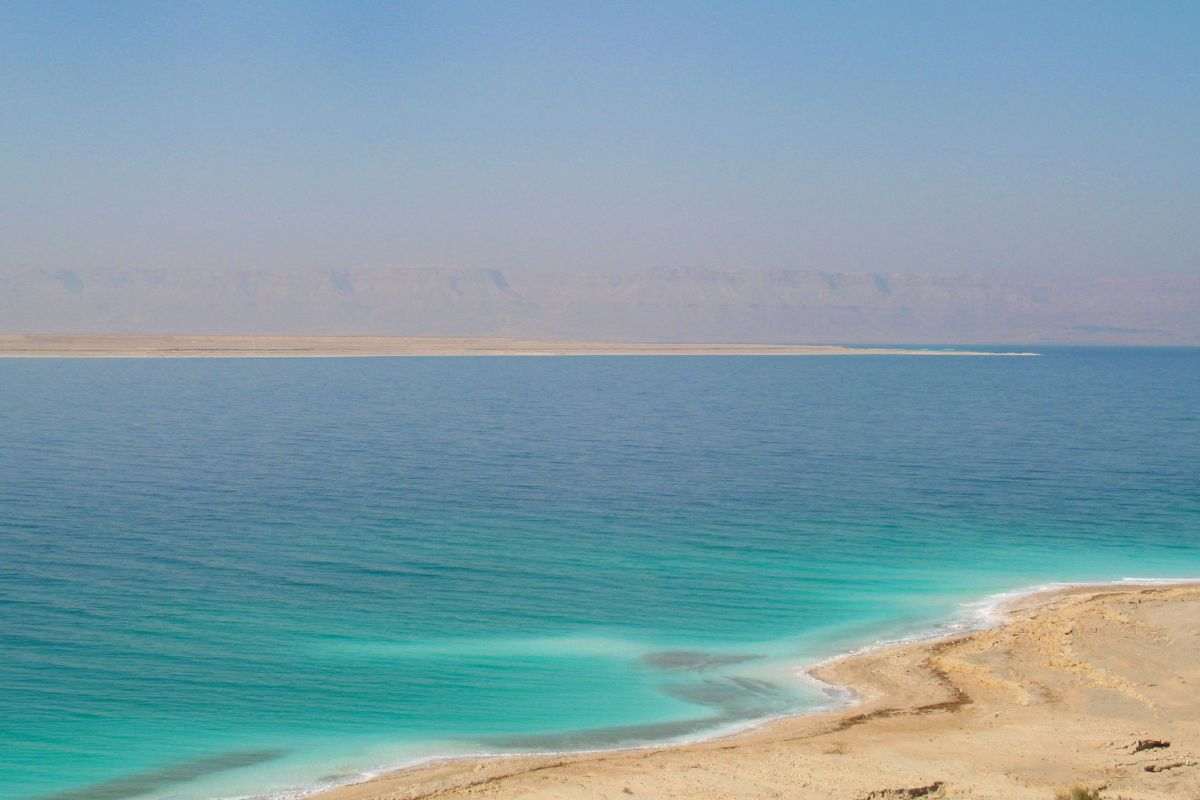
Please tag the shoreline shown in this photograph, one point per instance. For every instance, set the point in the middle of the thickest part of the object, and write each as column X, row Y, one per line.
column 854, row 675
column 265, row 346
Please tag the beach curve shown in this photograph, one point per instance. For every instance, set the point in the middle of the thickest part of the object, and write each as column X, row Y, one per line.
column 1066, row 688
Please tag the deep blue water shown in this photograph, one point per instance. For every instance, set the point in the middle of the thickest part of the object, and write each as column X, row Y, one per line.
column 229, row 577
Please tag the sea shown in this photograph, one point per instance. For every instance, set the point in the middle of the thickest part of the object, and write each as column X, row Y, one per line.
column 232, row 578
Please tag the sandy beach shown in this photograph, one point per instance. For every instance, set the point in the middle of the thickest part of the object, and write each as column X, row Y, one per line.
column 1091, row 686
column 185, row 346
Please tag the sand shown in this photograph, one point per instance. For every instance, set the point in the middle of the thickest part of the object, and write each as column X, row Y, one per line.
column 1096, row 686
column 186, row 346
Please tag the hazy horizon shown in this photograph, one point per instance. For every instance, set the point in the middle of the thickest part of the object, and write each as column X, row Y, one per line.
column 1021, row 146
column 666, row 305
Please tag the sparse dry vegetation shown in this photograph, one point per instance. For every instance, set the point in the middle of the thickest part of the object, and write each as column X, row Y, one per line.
column 1078, row 793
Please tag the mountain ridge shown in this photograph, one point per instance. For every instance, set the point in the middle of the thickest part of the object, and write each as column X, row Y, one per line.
column 684, row 304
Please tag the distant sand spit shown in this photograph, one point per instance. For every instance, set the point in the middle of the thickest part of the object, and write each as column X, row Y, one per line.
column 1096, row 686
column 184, row 346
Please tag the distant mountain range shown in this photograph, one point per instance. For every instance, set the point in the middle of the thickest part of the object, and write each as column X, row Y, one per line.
column 683, row 305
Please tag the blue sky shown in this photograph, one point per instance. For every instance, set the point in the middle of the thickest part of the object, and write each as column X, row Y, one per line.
column 926, row 137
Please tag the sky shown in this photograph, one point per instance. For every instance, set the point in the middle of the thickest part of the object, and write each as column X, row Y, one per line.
column 956, row 138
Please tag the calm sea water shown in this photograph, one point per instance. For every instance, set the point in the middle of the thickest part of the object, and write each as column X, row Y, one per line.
column 232, row 577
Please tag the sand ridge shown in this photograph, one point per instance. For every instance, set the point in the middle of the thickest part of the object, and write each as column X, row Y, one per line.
column 1095, row 686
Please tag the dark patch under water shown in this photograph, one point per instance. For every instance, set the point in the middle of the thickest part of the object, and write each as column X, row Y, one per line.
column 141, row 783
column 735, row 696
column 694, row 660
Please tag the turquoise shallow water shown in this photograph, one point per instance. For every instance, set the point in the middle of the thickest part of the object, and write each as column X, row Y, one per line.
column 232, row 577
